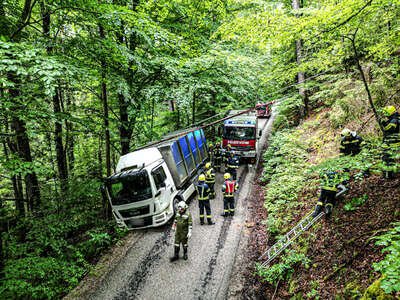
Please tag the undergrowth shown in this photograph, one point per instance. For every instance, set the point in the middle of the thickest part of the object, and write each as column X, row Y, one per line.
column 46, row 257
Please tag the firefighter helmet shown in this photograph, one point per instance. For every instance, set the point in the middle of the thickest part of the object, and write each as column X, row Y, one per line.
column 227, row 176
column 182, row 205
column 202, row 177
column 210, row 145
column 346, row 132
column 208, row 165
column 389, row 110
column 229, row 146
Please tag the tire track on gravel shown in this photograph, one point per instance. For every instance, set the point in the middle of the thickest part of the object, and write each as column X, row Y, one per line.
column 139, row 277
column 208, row 276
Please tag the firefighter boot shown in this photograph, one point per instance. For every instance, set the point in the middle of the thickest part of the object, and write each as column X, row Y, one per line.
column 185, row 256
column 328, row 209
column 317, row 210
column 176, row 254
column 210, row 222
column 201, row 221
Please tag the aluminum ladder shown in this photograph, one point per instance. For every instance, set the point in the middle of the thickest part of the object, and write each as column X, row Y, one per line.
column 294, row 233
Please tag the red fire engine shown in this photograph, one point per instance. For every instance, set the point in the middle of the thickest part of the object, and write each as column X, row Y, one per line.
column 263, row 110
column 241, row 133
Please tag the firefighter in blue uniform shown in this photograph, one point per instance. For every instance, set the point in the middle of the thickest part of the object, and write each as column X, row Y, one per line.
column 210, row 179
column 228, row 189
column 391, row 140
column 227, row 153
column 203, row 196
column 217, row 157
column 183, row 230
column 232, row 164
column 211, row 152
column 350, row 143
column 329, row 187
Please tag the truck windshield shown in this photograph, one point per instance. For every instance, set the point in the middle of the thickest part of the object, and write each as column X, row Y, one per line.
column 130, row 188
column 239, row 133
column 261, row 107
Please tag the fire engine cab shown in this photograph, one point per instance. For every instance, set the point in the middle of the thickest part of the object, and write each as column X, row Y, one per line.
column 241, row 133
column 263, row 110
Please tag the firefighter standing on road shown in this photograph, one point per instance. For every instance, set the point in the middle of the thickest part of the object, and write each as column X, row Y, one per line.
column 203, row 195
column 391, row 139
column 211, row 152
column 232, row 164
column 217, row 157
column 228, row 189
column 227, row 154
column 210, row 179
column 350, row 143
column 183, row 230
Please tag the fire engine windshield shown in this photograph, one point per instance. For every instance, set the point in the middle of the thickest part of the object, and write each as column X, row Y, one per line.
column 130, row 188
column 239, row 133
column 261, row 107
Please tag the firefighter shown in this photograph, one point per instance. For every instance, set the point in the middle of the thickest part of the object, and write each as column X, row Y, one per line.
column 227, row 154
column 228, row 189
column 183, row 230
column 350, row 143
column 203, row 193
column 210, row 179
column 211, row 152
column 391, row 139
column 217, row 157
column 330, row 180
column 232, row 164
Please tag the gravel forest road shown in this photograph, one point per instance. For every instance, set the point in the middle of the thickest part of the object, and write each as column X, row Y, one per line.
column 145, row 272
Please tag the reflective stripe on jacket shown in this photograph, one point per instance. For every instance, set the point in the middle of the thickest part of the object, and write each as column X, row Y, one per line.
column 203, row 191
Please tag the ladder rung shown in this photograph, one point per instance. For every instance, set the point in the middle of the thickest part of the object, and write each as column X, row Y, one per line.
column 288, row 238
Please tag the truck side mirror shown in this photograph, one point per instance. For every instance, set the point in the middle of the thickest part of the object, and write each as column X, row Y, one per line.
column 162, row 184
column 260, row 133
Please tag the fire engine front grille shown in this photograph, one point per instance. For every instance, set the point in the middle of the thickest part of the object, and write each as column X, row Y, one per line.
column 242, row 148
column 137, row 211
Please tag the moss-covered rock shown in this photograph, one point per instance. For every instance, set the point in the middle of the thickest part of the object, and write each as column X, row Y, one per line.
column 374, row 291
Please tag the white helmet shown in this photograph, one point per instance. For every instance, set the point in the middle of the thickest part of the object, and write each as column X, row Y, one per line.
column 182, row 205
column 346, row 132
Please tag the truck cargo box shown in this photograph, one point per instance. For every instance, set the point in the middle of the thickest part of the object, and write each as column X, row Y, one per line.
column 184, row 155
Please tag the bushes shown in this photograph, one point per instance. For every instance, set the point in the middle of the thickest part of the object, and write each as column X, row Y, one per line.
column 390, row 265
column 56, row 249
column 40, row 278
column 284, row 170
column 282, row 270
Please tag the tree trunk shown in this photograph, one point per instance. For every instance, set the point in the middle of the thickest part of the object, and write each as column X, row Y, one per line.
column 105, row 108
column 69, row 139
column 58, row 129
column 364, row 80
column 106, row 205
column 194, row 108
column 296, row 5
column 24, row 150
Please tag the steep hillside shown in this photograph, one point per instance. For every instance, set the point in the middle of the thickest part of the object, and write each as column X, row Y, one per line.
column 335, row 258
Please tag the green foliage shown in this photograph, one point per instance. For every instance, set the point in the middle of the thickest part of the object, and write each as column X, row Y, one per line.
column 58, row 247
column 39, row 278
column 289, row 112
column 284, row 173
column 390, row 265
column 282, row 270
column 354, row 203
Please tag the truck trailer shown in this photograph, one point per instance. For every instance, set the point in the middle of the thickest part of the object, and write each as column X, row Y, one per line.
column 149, row 182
